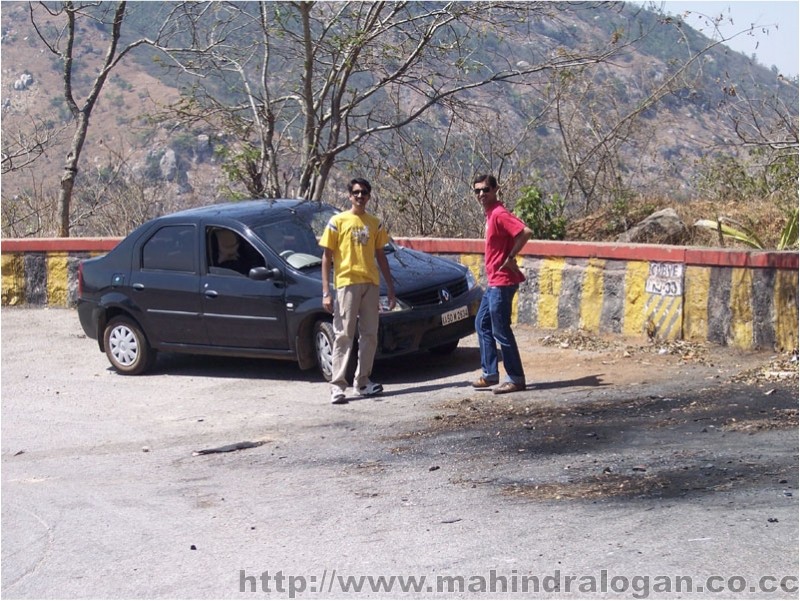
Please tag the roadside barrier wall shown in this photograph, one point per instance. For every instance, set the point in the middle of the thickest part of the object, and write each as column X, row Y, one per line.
column 745, row 299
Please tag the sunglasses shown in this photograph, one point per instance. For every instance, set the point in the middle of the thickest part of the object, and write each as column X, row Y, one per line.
column 360, row 193
column 481, row 190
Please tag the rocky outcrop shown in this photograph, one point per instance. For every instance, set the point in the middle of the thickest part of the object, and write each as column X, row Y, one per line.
column 662, row 227
column 169, row 165
column 203, row 151
column 23, row 82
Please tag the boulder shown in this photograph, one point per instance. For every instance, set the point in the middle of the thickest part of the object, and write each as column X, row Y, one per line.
column 23, row 81
column 203, row 149
column 169, row 165
column 662, row 227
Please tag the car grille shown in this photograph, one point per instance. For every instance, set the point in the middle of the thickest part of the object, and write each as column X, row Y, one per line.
column 437, row 294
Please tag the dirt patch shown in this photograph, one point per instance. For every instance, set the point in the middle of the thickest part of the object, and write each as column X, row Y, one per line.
column 686, row 351
column 593, row 487
column 777, row 420
column 613, row 420
column 783, row 368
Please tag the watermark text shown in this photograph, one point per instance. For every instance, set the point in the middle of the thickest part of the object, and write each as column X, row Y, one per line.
column 639, row 587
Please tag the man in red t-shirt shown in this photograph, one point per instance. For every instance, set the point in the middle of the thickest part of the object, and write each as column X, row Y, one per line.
column 506, row 234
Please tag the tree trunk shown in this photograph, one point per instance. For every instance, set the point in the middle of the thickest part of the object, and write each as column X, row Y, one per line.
column 70, row 173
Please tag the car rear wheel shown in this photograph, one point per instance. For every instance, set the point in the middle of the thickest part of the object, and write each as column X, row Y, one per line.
column 127, row 348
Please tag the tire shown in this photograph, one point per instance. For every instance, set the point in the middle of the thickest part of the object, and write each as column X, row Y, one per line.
column 323, row 348
column 126, row 347
column 445, row 349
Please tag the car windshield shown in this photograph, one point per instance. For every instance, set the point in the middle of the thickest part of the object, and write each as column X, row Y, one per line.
column 296, row 238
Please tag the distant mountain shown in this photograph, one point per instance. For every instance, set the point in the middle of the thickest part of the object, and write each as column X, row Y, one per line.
column 185, row 162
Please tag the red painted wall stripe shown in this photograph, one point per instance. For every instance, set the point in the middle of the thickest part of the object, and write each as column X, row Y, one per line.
column 625, row 252
column 734, row 258
column 11, row 245
column 537, row 248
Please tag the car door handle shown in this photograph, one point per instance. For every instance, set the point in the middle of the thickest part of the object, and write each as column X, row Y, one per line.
column 211, row 294
column 138, row 286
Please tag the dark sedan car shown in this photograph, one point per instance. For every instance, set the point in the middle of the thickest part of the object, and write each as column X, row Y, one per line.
column 243, row 279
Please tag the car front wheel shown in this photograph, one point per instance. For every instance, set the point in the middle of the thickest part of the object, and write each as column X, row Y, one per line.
column 323, row 346
column 445, row 349
column 126, row 347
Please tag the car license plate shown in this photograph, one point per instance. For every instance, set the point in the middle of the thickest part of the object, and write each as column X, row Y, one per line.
column 455, row 315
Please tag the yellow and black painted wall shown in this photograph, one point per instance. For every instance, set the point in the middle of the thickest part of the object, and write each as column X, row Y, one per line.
column 745, row 299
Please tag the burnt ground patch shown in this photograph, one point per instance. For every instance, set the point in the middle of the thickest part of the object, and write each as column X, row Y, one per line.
column 735, row 436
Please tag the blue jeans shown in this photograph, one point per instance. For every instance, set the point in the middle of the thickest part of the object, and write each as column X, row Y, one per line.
column 493, row 326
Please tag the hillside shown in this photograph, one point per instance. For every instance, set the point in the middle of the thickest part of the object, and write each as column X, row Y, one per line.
column 176, row 166
column 118, row 125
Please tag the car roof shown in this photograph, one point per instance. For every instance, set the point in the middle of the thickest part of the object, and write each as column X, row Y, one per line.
column 246, row 211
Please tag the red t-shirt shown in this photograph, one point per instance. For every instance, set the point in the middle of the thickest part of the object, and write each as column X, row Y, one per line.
column 502, row 227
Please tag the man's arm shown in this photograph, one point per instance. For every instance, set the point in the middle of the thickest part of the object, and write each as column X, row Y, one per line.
column 327, row 261
column 520, row 240
column 383, row 264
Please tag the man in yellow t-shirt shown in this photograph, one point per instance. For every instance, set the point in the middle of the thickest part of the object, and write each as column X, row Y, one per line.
column 353, row 244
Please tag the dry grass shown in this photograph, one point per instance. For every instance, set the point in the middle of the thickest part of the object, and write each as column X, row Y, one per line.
column 762, row 216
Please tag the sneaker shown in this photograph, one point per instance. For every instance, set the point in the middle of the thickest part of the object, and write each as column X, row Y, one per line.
column 371, row 389
column 482, row 383
column 338, row 397
column 507, row 387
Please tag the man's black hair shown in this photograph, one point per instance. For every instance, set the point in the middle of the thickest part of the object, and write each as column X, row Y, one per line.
column 485, row 178
column 359, row 180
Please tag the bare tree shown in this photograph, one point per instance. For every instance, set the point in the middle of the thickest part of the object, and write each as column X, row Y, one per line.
column 316, row 80
column 57, row 25
column 762, row 120
column 409, row 92
column 424, row 187
column 606, row 140
column 23, row 145
column 419, row 187
column 29, row 213
column 62, row 45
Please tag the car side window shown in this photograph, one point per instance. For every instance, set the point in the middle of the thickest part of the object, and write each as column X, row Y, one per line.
column 171, row 248
column 228, row 253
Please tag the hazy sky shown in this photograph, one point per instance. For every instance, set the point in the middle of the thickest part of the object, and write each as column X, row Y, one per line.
column 779, row 45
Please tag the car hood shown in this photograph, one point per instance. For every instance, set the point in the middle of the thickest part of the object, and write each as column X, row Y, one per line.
column 412, row 269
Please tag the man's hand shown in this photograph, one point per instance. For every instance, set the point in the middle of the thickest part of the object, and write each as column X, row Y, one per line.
column 510, row 264
column 327, row 303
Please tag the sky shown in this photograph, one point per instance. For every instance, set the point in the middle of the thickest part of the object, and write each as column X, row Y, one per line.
column 779, row 45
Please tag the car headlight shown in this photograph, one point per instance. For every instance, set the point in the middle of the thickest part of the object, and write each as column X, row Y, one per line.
column 471, row 281
column 383, row 303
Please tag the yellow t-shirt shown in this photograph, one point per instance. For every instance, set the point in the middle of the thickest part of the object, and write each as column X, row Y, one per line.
column 353, row 240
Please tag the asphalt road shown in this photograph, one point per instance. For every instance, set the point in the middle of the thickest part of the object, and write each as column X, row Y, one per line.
column 622, row 472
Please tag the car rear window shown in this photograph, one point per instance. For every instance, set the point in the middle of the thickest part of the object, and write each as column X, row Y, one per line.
column 171, row 248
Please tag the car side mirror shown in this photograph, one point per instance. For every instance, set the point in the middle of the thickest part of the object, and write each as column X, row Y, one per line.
column 264, row 273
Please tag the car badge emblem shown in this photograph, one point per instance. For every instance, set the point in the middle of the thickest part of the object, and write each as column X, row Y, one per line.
column 444, row 295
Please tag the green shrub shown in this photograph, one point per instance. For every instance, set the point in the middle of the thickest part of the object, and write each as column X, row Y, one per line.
column 545, row 216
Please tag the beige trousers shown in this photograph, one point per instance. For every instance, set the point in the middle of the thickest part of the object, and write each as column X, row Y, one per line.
column 356, row 306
